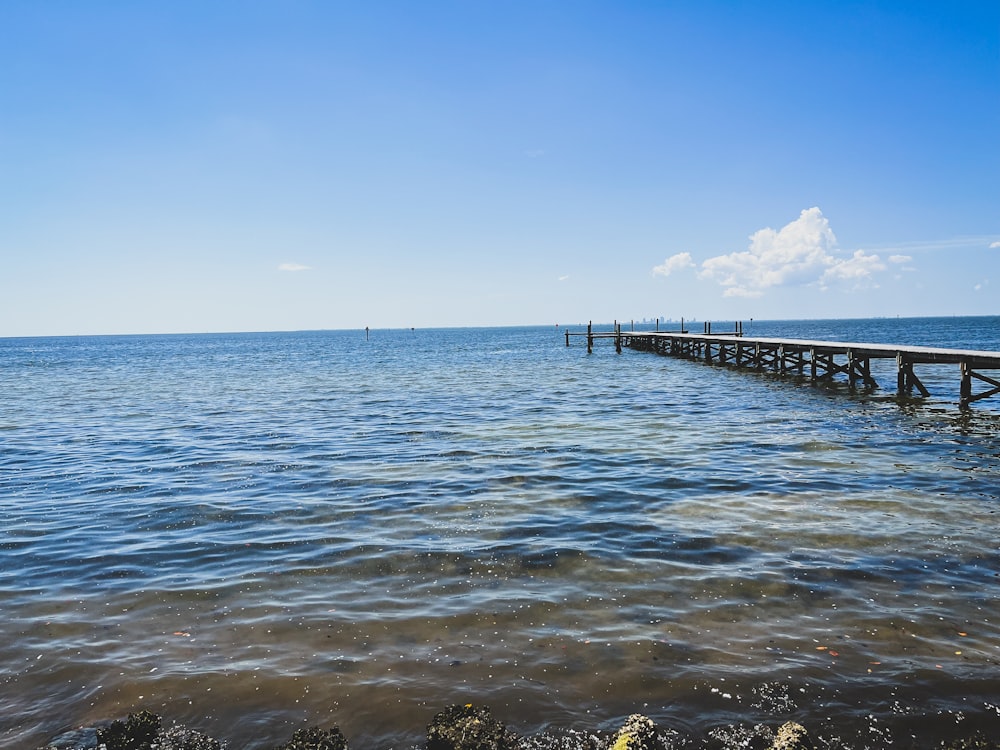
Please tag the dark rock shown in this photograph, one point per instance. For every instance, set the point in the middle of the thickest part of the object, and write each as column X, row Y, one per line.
column 468, row 727
column 744, row 737
column 566, row 740
column 137, row 733
column 141, row 731
column 179, row 737
column 315, row 738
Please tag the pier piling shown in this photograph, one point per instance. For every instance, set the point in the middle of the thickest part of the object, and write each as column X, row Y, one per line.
column 793, row 356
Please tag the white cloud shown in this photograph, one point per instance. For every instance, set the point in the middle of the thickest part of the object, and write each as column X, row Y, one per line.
column 995, row 244
column 856, row 268
column 293, row 267
column 562, row 278
column 674, row 263
column 801, row 252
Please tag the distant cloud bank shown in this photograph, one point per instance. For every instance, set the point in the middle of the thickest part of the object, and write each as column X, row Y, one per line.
column 994, row 244
column 800, row 253
column 293, row 267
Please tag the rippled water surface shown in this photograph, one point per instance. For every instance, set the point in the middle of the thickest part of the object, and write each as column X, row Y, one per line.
column 249, row 532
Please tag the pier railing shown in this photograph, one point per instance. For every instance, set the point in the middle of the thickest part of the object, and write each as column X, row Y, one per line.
column 819, row 360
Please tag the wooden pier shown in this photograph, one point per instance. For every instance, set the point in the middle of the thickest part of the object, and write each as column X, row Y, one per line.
column 817, row 360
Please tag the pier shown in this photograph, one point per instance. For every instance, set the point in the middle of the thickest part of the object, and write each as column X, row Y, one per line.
column 817, row 360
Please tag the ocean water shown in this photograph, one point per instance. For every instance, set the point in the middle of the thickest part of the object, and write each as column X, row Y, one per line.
column 250, row 533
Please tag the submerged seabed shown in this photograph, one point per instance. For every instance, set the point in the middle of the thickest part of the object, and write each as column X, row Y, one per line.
column 251, row 533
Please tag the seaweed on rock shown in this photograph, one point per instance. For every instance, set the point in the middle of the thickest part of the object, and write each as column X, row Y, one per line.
column 468, row 727
column 137, row 733
column 315, row 738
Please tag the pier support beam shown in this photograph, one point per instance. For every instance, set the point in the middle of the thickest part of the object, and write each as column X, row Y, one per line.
column 792, row 356
column 859, row 368
column 906, row 380
column 966, row 396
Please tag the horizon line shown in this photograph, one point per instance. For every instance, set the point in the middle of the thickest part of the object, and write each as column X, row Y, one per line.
column 583, row 324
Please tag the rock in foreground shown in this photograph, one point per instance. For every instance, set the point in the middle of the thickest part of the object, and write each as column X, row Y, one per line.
column 468, row 727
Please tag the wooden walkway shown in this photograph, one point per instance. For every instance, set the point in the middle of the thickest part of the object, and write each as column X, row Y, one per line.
column 819, row 360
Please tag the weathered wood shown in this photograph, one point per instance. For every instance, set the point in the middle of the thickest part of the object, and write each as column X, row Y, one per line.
column 967, row 396
column 795, row 355
column 859, row 368
column 907, row 380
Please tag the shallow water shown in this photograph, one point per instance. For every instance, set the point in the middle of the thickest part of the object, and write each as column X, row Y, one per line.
column 251, row 532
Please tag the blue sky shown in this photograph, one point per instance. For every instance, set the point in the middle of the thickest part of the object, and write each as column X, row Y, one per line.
column 236, row 166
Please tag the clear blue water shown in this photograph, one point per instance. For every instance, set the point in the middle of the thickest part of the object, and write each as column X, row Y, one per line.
column 252, row 532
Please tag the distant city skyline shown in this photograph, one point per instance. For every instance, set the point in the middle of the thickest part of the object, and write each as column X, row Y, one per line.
column 238, row 166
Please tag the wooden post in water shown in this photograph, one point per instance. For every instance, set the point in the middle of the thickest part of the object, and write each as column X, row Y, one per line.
column 794, row 355
column 965, row 390
column 567, row 337
column 906, row 379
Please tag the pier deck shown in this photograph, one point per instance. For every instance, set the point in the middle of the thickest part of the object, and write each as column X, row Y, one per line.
column 819, row 360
